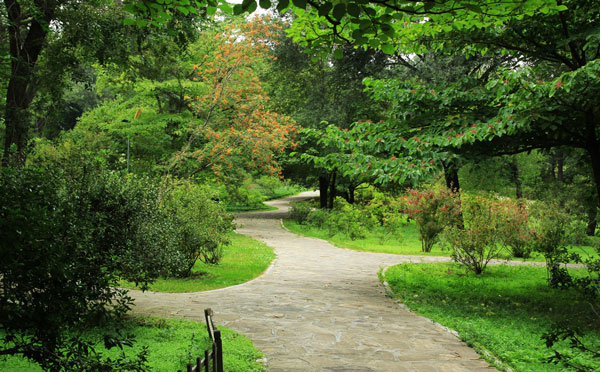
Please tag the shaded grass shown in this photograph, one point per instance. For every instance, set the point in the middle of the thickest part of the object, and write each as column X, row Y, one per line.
column 505, row 310
column 243, row 260
column 172, row 343
column 406, row 242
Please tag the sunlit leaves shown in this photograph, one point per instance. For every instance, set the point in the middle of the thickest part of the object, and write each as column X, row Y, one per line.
column 234, row 131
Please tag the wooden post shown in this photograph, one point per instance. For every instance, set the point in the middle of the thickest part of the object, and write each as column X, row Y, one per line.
column 219, row 352
column 206, row 361
column 189, row 368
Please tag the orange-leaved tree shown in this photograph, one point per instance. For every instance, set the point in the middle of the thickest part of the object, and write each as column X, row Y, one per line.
column 233, row 131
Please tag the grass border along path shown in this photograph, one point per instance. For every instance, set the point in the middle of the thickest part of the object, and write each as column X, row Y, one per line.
column 172, row 343
column 504, row 311
column 243, row 260
column 406, row 242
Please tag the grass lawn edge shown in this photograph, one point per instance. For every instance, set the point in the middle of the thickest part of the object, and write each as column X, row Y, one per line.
column 484, row 354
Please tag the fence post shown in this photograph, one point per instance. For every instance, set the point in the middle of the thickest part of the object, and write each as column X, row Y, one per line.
column 206, row 361
column 219, row 353
column 189, row 368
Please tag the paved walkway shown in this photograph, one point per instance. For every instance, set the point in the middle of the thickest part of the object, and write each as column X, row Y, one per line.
column 320, row 308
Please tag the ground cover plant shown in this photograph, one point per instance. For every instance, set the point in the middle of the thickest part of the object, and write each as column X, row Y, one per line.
column 244, row 259
column 171, row 344
column 505, row 310
column 402, row 239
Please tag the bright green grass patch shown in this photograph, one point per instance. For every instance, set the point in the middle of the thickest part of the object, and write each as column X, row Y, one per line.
column 248, row 208
column 243, row 260
column 505, row 310
column 407, row 242
column 172, row 343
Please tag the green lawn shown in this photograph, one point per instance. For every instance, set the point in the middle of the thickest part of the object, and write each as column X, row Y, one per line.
column 243, row 260
column 172, row 343
column 505, row 311
column 406, row 243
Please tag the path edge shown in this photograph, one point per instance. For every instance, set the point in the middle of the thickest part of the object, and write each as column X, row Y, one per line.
column 489, row 357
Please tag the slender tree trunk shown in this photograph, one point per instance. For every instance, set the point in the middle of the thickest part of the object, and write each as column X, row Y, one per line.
column 451, row 176
column 515, row 177
column 351, row 194
column 332, row 193
column 323, row 192
column 560, row 159
column 26, row 44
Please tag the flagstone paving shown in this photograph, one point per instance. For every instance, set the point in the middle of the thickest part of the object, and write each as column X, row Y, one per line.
column 320, row 308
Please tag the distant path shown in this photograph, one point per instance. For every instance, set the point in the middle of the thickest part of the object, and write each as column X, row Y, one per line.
column 320, row 308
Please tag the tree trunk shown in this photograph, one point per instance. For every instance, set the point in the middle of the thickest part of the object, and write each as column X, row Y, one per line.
column 351, row 194
column 25, row 48
column 560, row 159
column 450, row 175
column 332, row 193
column 515, row 177
column 323, row 192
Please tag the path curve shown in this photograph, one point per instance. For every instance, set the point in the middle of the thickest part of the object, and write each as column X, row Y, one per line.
column 320, row 308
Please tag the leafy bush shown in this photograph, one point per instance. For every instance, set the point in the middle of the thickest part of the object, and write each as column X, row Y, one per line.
column 388, row 212
column 516, row 234
column 552, row 230
column 350, row 220
column 299, row 211
column 475, row 244
column 432, row 211
column 202, row 225
column 68, row 236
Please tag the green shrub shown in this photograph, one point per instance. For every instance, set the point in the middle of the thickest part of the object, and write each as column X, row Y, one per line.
column 68, row 236
column 202, row 225
column 479, row 240
column 432, row 211
column 350, row 220
column 299, row 211
column 516, row 234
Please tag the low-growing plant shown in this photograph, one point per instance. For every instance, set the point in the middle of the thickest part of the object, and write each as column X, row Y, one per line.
column 68, row 237
column 299, row 211
column 516, row 235
column 202, row 225
column 552, row 229
column 432, row 210
column 479, row 240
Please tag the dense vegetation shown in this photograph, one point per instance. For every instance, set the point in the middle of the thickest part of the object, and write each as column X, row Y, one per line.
column 131, row 128
column 507, row 311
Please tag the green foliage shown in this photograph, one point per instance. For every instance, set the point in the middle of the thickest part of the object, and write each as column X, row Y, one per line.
column 299, row 211
column 516, row 235
column 202, row 225
column 69, row 235
column 171, row 344
column 244, row 259
column 504, row 311
column 481, row 237
column 432, row 211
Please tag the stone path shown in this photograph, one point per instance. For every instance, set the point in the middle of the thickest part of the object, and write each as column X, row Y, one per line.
column 320, row 308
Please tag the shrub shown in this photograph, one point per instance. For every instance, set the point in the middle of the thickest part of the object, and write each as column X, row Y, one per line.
column 202, row 225
column 513, row 225
column 67, row 238
column 299, row 211
column 552, row 229
column 432, row 211
column 475, row 244
column 350, row 220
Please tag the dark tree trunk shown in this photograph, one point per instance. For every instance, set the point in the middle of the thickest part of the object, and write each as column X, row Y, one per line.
column 560, row 159
column 593, row 151
column 25, row 47
column 332, row 193
column 450, row 175
column 323, row 192
column 591, row 226
column 515, row 177
column 351, row 194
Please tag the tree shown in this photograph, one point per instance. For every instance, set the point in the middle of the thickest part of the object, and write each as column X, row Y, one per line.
column 46, row 40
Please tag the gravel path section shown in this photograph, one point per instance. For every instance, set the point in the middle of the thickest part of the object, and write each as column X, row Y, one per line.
column 320, row 308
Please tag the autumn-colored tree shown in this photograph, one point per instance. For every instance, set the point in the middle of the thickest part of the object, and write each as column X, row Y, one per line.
column 233, row 131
